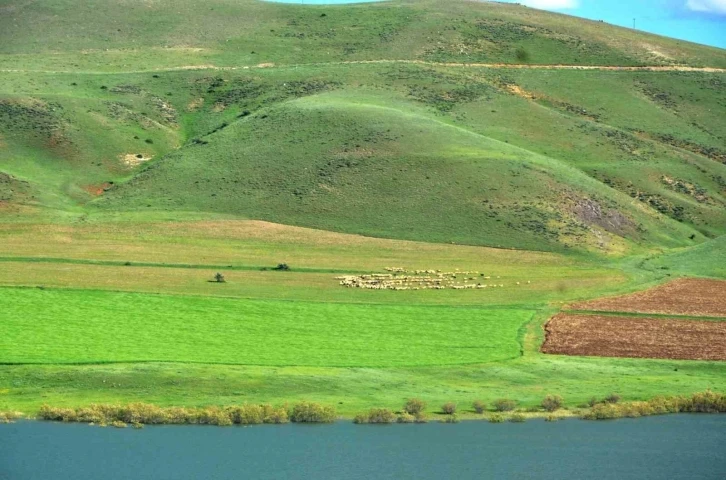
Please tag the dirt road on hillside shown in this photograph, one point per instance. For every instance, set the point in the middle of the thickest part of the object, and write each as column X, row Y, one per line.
column 652, row 68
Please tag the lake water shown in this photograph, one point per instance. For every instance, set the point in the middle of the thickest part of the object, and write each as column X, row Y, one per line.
column 668, row 447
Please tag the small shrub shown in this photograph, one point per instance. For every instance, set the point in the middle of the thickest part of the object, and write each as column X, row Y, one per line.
column 180, row 416
column 219, row 278
column 137, row 426
column 381, row 415
column 414, row 406
column 521, row 54
column 592, row 402
column 552, row 403
column 496, row 418
column 140, row 413
column 405, row 417
column 57, row 414
column 282, row 267
column 552, row 418
column 118, row 424
column 662, row 405
column 309, row 412
column 449, row 408
column 274, row 415
column 638, row 409
column 376, row 415
column 504, row 405
column 612, row 398
column 215, row 416
column 707, row 402
column 420, row 418
column 246, row 415
column 452, row 418
column 517, row 418
column 479, row 406
column 9, row 417
column 361, row 418
column 602, row 411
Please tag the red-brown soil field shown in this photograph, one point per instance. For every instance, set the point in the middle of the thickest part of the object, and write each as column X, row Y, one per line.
column 688, row 296
column 635, row 337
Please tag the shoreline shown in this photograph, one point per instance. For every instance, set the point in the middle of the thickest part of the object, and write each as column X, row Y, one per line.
column 138, row 415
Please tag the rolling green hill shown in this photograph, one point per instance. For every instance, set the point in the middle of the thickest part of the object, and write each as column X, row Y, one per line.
column 484, row 156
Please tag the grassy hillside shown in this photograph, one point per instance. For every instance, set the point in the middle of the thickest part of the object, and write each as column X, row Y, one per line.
column 512, row 158
column 298, row 133
column 107, row 35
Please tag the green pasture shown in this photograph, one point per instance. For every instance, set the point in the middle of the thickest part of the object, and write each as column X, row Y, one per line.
column 352, row 390
column 42, row 326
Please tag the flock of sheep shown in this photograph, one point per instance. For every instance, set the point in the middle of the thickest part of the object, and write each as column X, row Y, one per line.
column 401, row 279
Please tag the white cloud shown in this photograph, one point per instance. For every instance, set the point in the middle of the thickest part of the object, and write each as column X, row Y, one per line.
column 565, row 4
column 707, row 6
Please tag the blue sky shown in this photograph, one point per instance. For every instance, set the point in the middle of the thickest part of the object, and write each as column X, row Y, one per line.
column 700, row 21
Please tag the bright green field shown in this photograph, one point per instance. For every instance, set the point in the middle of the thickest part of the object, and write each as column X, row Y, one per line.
column 97, row 327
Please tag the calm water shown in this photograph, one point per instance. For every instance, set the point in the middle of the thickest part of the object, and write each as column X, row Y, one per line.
column 670, row 447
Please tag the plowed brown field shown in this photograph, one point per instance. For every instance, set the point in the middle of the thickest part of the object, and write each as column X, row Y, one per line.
column 688, row 296
column 635, row 337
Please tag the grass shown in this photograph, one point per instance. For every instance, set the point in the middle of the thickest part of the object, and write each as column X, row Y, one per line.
column 406, row 195
column 517, row 171
column 97, row 327
column 352, row 390
column 249, row 32
column 706, row 260
column 96, row 254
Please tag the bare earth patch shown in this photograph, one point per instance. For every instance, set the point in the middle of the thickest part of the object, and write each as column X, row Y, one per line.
column 195, row 104
column 687, row 296
column 520, row 92
column 132, row 160
column 635, row 337
column 97, row 189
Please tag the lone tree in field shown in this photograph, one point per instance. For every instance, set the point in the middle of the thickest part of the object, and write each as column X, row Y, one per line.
column 219, row 278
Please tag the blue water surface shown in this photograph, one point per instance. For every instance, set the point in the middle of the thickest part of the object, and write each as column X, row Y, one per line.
column 668, row 447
